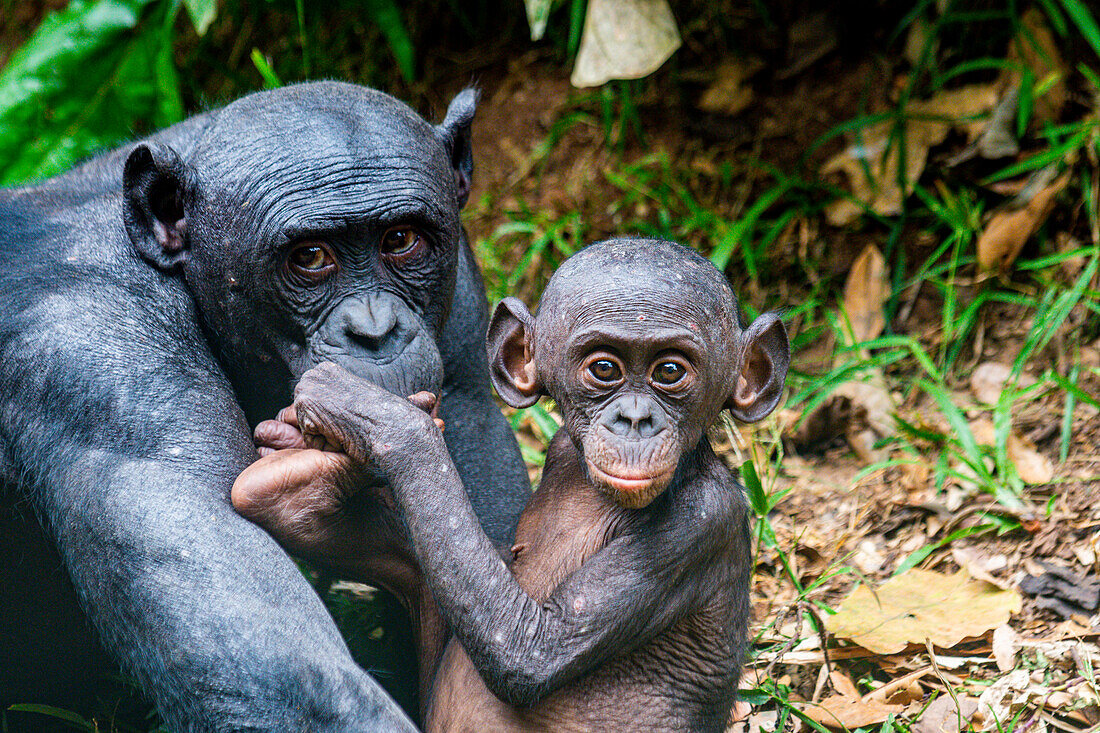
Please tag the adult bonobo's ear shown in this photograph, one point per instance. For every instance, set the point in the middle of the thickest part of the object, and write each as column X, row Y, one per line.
column 455, row 132
column 155, row 189
column 511, row 354
column 760, row 368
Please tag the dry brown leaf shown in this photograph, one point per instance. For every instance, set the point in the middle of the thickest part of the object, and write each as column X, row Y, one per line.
column 840, row 711
column 1032, row 466
column 919, row 605
column 624, row 39
column 730, row 93
column 1005, row 644
column 980, row 565
column 944, row 715
column 1008, row 230
column 843, row 684
column 989, row 378
column 903, row 690
column 872, row 165
column 866, row 290
column 1038, row 49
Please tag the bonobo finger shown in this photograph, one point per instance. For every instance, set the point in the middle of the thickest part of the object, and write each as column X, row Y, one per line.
column 277, row 435
column 288, row 415
column 426, row 401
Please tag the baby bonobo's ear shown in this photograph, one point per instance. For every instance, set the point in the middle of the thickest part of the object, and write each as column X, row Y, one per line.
column 512, row 354
column 760, row 368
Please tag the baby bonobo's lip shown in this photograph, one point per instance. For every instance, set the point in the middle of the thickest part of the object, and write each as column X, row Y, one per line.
column 635, row 488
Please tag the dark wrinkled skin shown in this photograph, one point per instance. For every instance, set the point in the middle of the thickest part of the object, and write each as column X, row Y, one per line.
column 150, row 318
column 626, row 603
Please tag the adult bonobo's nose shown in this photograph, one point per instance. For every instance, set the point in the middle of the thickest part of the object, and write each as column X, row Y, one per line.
column 375, row 326
column 633, row 416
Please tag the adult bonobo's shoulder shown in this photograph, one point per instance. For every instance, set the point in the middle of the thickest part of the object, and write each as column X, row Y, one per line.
column 159, row 299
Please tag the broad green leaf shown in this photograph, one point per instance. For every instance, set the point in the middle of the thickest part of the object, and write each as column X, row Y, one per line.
column 91, row 76
column 202, row 13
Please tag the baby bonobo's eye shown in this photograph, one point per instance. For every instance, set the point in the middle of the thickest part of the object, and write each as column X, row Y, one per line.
column 605, row 370
column 671, row 372
column 668, row 372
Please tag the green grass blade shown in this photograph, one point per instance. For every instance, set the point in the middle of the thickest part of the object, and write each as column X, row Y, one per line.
column 1084, row 21
column 271, row 79
column 387, row 16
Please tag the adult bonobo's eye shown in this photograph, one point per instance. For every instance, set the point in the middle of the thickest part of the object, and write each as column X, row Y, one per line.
column 401, row 243
column 671, row 373
column 313, row 260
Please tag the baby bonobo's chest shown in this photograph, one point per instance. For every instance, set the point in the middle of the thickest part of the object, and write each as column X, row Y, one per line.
column 679, row 680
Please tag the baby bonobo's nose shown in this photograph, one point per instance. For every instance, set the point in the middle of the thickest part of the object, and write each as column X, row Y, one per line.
column 633, row 416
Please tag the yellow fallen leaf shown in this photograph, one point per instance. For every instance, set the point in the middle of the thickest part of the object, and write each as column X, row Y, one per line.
column 840, row 711
column 1008, row 230
column 865, row 292
column 921, row 605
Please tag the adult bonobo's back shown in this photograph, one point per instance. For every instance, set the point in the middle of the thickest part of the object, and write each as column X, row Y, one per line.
column 159, row 300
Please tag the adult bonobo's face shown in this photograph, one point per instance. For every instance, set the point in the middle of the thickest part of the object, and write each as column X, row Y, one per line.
column 312, row 223
column 640, row 344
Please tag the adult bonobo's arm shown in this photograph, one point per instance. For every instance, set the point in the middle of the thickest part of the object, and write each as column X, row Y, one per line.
column 117, row 423
column 635, row 587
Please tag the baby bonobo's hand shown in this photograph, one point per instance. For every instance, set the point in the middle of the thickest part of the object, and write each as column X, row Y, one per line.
column 368, row 423
column 299, row 490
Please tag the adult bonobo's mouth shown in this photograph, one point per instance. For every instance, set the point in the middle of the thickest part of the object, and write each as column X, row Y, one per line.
column 377, row 337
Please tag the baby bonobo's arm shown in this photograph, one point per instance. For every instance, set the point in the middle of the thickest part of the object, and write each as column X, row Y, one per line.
column 301, row 492
column 637, row 586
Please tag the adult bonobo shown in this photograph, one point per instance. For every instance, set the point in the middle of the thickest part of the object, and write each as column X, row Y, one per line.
column 156, row 302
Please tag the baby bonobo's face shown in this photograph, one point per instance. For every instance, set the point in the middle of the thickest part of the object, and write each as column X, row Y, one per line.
column 632, row 376
column 631, row 393
column 640, row 344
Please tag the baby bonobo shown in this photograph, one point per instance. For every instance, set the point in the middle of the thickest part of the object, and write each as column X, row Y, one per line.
column 626, row 601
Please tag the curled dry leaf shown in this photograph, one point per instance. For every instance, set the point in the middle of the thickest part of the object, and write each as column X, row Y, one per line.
column 1008, row 230
column 989, row 378
column 860, row 410
column 1005, row 644
column 1031, row 465
column 873, row 165
column 866, row 290
column 840, row 711
column 730, row 93
column 920, row 605
column 1037, row 48
column 624, row 39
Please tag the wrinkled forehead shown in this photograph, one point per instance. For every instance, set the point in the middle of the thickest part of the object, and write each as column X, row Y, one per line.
column 356, row 154
column 616, row 310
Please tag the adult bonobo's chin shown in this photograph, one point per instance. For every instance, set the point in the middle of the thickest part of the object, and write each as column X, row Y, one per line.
column 156, row 302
